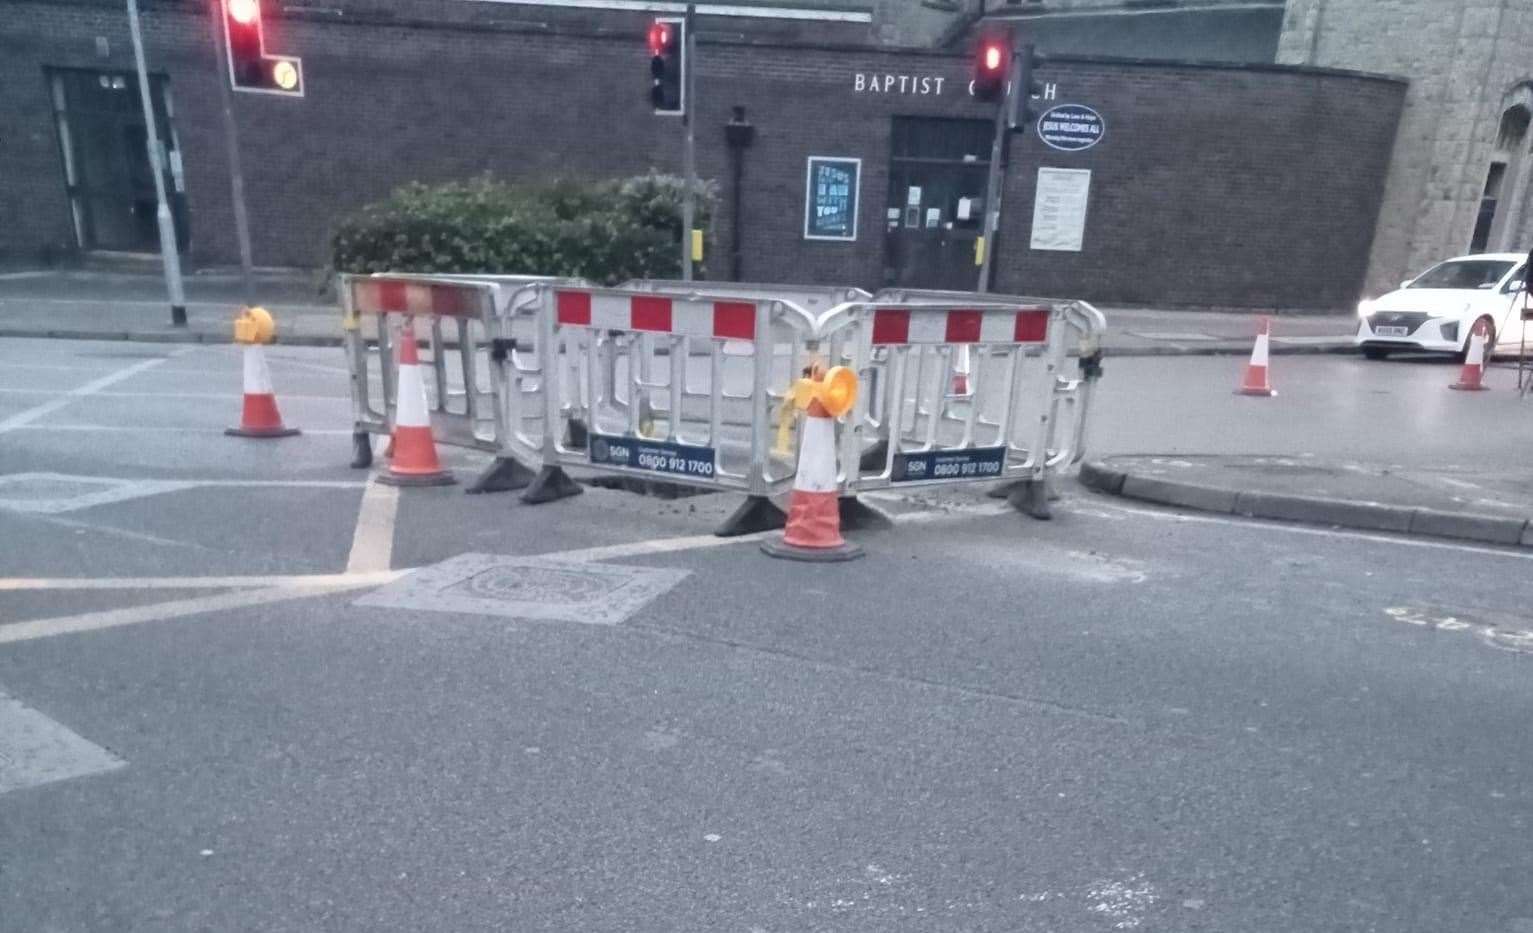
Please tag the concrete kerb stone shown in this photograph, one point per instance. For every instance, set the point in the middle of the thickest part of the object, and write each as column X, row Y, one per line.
column 1096, row 474
column 1370, row 516
column 1489, row 528
column 1188, row 495
column 1364, row 516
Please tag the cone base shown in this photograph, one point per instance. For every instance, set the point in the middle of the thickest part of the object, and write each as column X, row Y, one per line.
column 1466, row 387
column 1259, row 393
column 776, row 547
column 391, row 478
column 262, row 432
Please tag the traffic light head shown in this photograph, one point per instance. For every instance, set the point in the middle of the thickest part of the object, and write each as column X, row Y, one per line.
column 992, row 60
column 250, row 68
column 662, row 38
column 667, row 65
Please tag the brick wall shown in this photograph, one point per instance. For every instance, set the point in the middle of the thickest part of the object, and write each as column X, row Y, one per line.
column 1214, row 186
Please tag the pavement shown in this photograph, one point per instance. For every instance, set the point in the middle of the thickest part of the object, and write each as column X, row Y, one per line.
column 1473, row 505
column 131, row 306
column 243, row 686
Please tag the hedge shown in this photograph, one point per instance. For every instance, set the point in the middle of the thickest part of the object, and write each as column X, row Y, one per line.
column 605, row 231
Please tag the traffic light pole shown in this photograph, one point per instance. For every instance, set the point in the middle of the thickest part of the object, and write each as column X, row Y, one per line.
column 232, row 144
column 169, row 252
column 689, row 155
column 995, row 183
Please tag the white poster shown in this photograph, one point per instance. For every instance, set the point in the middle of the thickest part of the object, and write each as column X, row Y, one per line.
column 1059, row 210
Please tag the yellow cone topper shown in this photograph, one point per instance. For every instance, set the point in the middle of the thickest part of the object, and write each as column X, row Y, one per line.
column 254, row 325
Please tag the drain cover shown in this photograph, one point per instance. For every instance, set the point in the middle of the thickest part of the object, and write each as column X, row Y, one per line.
column 536, row 588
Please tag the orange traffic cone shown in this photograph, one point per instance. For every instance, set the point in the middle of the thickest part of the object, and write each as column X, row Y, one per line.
column 1472, row 377
column 1255, row 381
column 259, row 416
column 814, row 515
column 414, row 460
column 961, row 370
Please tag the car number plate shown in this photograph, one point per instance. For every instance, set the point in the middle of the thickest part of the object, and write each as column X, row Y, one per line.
column 1392, row 331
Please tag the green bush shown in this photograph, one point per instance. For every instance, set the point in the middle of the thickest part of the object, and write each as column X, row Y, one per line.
column 605, row 231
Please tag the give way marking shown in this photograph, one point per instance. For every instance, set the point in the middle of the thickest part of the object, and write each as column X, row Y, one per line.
column 36, row 750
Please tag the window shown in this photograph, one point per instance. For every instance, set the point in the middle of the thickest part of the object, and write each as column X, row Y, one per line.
column 1464, row 273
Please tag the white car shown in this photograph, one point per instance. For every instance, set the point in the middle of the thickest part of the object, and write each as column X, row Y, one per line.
column 1437, row 309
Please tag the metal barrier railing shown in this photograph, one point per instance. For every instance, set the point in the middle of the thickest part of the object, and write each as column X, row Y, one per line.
column 660, row 385
column 685, row 382
column 375, row 307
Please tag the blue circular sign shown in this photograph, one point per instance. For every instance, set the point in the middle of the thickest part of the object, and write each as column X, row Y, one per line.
column 1071, row 127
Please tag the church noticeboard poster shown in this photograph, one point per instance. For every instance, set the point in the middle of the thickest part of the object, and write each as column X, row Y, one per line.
column 830, row 198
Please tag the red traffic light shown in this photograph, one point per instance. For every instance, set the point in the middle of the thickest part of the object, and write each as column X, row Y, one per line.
column 245, row 12
column 992, row 57
column 662, row 37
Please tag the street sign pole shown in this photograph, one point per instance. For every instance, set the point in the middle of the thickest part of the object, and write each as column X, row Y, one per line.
column 169, row 252
column 689, row 156
column 222, row 68
column 1005, row 116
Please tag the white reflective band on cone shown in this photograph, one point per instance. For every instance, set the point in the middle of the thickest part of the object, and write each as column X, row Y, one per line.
column 1476, row 348
column 411, row 412
column 817, row 462
column 257, row 374
column 1259, row 355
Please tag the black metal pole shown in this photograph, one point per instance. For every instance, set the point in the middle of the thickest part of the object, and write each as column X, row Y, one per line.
column 739, row 134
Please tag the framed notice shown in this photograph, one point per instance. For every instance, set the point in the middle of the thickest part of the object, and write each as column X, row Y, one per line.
column 830, row 198
column 1059, row 209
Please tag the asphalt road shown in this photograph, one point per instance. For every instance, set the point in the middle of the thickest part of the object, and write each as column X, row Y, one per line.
column 1124, row 719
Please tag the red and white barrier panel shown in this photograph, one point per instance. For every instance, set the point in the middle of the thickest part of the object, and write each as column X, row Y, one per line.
column 899, row 326
column 404, row 296
column 721, row 320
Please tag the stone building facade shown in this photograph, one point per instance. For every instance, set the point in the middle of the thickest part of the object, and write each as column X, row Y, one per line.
column 1459, row 179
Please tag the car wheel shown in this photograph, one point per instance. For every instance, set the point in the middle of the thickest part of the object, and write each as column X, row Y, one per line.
column 1376, row 353
column 1490, row 339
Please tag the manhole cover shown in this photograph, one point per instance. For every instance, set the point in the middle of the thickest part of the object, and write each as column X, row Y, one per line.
column 535, row 588
column 538, row 585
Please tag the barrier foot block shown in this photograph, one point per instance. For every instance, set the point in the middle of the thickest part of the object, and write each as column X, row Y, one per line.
column 1004, row 491
column 857, row 515
column 504, row 475
column 1032, row 497
column 577, row 436
column 362, row 450
column 756, row 513
column 774, row 547
column 550, row 485
column 874, row 458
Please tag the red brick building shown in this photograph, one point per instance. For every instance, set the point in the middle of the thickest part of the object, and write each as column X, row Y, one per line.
column 1211, row 184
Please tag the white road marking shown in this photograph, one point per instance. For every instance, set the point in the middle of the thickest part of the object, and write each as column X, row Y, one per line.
column 372, row 544
column 158, row 612
column 93, row 387
column 36, row 750
column 281, row 396
column 193, row 583
column 30, row 274
column 137, row 429
column 1524, row 554
column 113, row 531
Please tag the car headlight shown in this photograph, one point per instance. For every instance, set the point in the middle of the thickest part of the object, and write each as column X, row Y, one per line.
column 1364, row 308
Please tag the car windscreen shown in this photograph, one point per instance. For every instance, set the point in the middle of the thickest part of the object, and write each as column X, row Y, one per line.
column 1464, row 273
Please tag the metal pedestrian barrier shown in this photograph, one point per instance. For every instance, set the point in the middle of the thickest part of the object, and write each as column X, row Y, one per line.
column 1017, row 419
column 691, row 382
